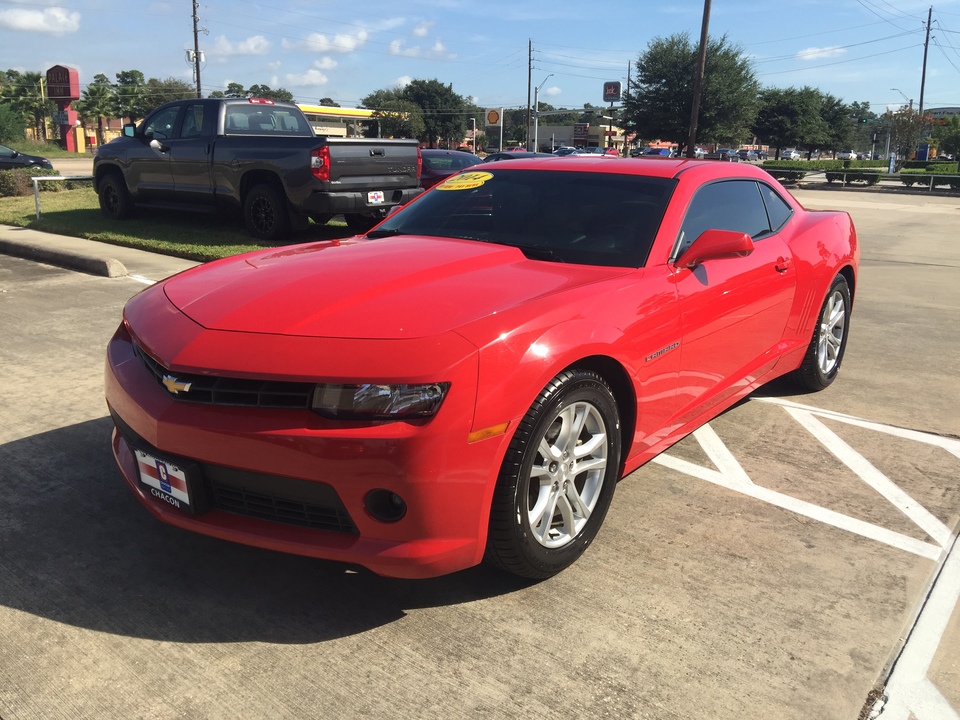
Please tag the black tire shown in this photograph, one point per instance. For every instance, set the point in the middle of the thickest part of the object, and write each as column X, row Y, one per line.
column 115, row 201
column 547, row 510
column 360, row 224
column 265, row 213
column 825, row 352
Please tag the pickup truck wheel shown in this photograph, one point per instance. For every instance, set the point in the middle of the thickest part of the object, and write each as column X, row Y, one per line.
column 115, row 201
column 265, row 214
column 360, row 224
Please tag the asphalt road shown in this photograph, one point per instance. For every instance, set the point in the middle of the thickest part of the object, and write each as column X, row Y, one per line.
column 769, row 566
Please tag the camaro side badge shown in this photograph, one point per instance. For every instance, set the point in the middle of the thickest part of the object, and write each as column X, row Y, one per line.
column 174, row 386
column 658, row 353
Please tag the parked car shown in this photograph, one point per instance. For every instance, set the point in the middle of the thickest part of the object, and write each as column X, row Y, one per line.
column 514, row 154
column 657, row 152
column 789, row 154
column 11, row 159
column 438, row 165
column 725, row 154
column 748, row 155
column 846, row 155
column 561, row 151
column 471, row 378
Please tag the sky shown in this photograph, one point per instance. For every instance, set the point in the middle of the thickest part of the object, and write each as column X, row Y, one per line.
column 493, row 52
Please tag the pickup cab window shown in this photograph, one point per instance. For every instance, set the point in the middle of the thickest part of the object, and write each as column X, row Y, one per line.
column 265, row 120
column 160, row 125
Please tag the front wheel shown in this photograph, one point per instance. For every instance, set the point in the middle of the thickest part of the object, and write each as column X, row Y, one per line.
column 557, row 479
column 825, row 352
column 265, row 213
column 115, row 200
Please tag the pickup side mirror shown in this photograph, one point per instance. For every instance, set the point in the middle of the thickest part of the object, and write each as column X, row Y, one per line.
column 129, row 130
column 713, row 245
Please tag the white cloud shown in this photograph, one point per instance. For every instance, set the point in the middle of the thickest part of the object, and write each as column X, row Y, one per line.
column 403, row 81
column 342, row 43
column 551, row 91
column 312, row 77
column 422, row 29
column 54, row 21
column 820, row 53
column 325, row 63
column 255, row 45
column 438, row 51
column 397, row 47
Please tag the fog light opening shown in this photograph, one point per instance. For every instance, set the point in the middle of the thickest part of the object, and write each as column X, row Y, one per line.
column 385, row 505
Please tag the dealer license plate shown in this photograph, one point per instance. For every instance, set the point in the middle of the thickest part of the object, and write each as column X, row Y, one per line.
column 167, row 481
column 375, row 197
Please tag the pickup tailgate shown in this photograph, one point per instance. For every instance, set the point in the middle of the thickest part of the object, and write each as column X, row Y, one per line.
column 362, row 163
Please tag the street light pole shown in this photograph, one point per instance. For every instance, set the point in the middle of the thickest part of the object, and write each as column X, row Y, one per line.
column 536, row 111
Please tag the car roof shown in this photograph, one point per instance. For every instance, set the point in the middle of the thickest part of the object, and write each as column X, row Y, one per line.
column 663, row 168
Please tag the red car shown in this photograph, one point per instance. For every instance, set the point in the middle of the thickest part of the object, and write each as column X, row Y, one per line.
column 471, row 378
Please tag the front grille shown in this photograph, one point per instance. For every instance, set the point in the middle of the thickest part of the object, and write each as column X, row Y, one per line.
column 238, row 392
column 242, row 501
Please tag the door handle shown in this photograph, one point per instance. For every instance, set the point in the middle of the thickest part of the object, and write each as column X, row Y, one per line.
column 782, row 265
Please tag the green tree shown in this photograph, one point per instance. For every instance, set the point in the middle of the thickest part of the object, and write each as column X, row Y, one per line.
column 99, row 101
column 265, row 91
column 25, row 95
column 157, row 92
column 327, row 102
column 947, row 135
column 659, row 102
column 906, row 127
column 132, row 102
column 803, row 118
column 11, row 124
column 393, row 115
column 443, row 110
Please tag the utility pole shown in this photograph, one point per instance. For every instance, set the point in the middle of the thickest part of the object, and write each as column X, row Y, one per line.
column 923, row 75
column 698, row 81
column 529, row 82
column 196, row 48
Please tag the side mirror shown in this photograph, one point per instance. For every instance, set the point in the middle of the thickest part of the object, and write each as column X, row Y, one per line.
column 129, row 130
column 714, row 245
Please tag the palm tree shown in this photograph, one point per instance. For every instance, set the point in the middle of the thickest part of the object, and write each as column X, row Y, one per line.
column 99, row 101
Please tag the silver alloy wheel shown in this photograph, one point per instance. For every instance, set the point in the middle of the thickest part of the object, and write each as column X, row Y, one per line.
column 567, row 474
column 832, row 327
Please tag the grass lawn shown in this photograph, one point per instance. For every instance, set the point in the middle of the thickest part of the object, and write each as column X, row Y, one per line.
column 195, row 236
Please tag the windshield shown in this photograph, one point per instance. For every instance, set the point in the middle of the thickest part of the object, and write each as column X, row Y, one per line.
column 576, row 217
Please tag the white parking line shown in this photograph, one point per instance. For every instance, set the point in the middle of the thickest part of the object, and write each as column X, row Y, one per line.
column 142, row 279
column 909, row 693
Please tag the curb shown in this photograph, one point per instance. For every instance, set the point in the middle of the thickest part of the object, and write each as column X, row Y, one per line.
column 107, row 267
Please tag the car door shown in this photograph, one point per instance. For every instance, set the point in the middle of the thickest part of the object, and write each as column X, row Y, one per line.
column 149, row 173
column 733, row 310
column 190, row 152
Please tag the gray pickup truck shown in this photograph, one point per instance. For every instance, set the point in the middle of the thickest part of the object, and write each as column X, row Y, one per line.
column 256, row 156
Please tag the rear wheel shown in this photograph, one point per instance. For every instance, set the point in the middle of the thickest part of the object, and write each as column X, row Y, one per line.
column 115, row 201
column 557, row 479
column 265, row 213
column 825, row 352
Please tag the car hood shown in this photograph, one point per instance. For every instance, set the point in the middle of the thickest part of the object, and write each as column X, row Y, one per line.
column 389, row 288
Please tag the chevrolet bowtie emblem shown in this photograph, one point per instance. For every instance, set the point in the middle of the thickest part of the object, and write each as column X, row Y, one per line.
column 174, row 386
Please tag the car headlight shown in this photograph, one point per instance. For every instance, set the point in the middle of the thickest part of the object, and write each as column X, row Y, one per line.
column 372, row 401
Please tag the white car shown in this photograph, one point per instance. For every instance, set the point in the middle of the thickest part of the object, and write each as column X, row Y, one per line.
column 846, row 155
column 789, row 154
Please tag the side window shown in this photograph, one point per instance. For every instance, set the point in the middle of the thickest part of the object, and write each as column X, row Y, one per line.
column 726, row 205
column 160, row 126
column 778, row 209
column 192, row 121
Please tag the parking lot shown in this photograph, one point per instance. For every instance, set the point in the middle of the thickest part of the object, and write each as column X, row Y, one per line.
column 778, row 563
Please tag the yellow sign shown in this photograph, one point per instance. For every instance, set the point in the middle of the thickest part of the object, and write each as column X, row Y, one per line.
column 493, row 117
column 465, row 181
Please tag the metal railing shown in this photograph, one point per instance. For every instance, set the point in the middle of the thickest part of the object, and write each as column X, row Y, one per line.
column 43, row 178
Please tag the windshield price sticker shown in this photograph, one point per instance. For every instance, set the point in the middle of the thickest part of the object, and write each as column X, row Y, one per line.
column 465, row 181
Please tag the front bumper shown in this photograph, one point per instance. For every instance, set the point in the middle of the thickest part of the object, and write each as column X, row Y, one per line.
column 446, row 482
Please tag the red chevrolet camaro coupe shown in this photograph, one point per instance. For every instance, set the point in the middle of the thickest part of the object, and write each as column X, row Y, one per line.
column 470, row 379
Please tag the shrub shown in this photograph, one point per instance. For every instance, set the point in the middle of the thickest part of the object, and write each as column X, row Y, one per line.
column 16, row 183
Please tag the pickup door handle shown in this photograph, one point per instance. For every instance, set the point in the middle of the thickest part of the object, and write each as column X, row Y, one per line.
column 782, row 265
column 377, row 151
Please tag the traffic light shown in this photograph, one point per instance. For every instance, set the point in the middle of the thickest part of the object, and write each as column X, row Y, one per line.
column 862, row 120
